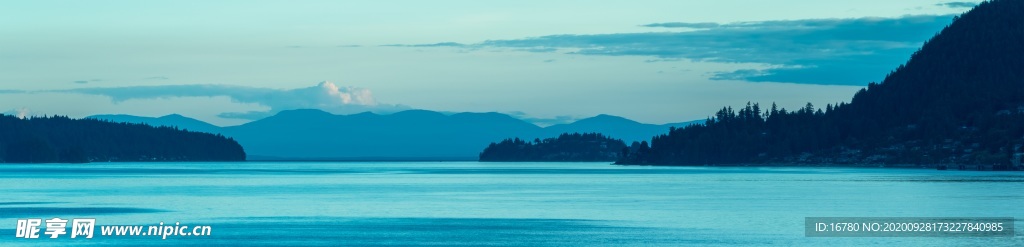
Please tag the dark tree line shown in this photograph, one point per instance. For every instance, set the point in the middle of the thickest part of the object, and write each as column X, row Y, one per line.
column 62, row 139
column 566, row 147
column 958, row 100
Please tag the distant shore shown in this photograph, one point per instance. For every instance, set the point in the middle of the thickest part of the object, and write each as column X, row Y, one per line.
column 966, row 167
column 345, row 159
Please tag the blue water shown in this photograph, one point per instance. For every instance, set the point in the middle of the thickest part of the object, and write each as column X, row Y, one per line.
column 499, row 204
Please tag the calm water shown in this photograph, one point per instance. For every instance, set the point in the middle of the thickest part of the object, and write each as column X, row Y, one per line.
column 470, row 203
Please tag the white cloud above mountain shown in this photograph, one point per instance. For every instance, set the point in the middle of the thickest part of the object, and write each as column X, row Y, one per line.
column 325, row 96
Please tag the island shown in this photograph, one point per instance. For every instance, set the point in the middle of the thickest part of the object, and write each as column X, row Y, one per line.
column 565, row 147
column 65, row 140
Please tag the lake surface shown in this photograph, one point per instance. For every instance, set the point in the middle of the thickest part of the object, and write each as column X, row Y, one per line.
column 471, row 203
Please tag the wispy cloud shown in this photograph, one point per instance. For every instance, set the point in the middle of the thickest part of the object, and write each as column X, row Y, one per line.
column 19, row 112
column 325, row 96
column 812, row 51
column 442, row 44
column 252, row 115
column 541, row 121
column 684, row 25
column 86, row 81
column 958, row 5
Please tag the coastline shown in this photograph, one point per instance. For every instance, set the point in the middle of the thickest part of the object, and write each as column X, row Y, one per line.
column 967, row 167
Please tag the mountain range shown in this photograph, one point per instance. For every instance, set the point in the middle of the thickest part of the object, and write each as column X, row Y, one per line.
column 308, row 134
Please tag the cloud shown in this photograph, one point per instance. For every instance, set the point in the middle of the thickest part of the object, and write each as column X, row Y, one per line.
column 442, row 44
column 86, row 81
column 811, row 51
column 21, row 113
column 542, row 122
column 684, row 25
column 539, row 49
column 325, row 96
column 252, row 115
column 958, row 5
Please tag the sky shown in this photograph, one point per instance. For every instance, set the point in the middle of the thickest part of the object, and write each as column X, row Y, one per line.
column 547, row 62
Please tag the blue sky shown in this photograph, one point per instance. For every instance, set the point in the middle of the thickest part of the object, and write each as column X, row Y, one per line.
column 228, row 62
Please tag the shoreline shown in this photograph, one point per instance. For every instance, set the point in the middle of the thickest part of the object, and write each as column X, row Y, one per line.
column 954, row 167
column 967, row 167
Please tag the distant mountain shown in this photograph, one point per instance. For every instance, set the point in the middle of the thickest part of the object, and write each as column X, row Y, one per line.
column 173, row 120
column 616, row 127
column 414, row 134
column 65, row 140
column 407, row 135
column 958, row 100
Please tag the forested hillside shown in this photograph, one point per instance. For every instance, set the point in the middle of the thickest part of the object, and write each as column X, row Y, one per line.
column 62, row 139
column 958, row 100
column 566, row 147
